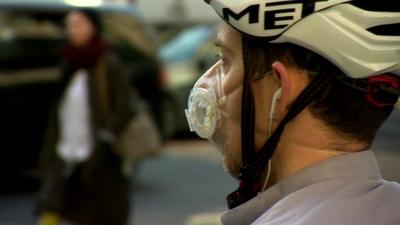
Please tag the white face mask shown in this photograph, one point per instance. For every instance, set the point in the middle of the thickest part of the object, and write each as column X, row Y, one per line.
column 207, row 104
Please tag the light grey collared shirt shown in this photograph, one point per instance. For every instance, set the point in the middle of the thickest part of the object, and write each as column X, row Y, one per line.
column 344, row 190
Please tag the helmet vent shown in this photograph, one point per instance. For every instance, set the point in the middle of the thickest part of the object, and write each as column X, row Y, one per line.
column 386, row 30
column 372, row 5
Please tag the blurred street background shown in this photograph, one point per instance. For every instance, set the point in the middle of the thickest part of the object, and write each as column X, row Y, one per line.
column 165, row 45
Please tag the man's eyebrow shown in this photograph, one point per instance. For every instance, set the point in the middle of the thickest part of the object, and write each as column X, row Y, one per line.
column 222, row 45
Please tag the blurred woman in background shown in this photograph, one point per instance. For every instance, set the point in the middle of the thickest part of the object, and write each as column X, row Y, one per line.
column 82, row 181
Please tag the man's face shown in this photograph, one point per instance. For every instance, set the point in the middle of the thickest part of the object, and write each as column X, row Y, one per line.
column 229, row 43
column 231, row 61
column 80, row 30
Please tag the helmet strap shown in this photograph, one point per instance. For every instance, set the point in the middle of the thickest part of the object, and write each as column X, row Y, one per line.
column 248, row 112
column 248, row 175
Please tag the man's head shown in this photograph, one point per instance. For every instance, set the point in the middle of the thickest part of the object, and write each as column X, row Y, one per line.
column 288, row 59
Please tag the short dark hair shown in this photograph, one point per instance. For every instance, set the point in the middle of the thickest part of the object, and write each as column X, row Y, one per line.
column 341, row 107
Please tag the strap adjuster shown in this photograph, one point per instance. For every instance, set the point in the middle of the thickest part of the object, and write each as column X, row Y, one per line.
column 383, row 90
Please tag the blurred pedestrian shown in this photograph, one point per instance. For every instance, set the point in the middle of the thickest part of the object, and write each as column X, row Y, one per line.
column 82, row 180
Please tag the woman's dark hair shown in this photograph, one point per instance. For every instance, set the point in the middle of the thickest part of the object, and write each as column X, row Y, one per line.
column 341, row 107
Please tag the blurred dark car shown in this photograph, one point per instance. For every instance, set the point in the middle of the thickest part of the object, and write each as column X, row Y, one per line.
column 31, row 34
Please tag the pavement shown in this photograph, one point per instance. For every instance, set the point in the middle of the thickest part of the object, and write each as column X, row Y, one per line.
column 187, row 185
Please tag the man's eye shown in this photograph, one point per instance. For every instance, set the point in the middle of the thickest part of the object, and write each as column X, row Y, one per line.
column 215, row 58
column 220, row 57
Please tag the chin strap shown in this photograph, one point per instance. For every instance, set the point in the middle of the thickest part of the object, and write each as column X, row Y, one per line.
column 248, row 174
column 254, row 164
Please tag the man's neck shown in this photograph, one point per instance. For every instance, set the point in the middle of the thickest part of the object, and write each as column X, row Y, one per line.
column 306, row 141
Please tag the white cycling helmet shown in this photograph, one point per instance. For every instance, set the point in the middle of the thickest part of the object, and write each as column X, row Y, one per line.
column 338, row 30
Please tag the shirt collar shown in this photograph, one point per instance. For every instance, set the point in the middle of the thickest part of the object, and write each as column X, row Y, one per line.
column 347, row 166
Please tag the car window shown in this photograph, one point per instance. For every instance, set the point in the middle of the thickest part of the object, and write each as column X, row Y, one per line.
column 18, row 25
column 29, row 39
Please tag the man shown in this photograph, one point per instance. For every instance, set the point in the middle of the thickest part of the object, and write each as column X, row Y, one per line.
column 294, row 103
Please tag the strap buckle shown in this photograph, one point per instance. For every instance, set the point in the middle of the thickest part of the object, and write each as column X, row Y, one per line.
column 383, row 90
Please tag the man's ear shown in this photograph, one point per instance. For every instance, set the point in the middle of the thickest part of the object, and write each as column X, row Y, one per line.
column 281, row 76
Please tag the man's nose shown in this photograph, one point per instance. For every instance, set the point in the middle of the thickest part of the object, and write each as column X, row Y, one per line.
column 208, row 79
